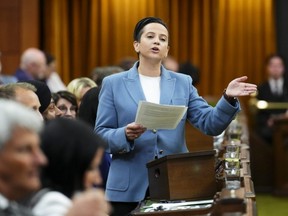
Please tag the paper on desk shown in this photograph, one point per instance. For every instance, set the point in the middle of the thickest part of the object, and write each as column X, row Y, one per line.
column 157, row 116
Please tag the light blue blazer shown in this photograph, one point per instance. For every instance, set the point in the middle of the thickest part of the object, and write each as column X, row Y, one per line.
column 118, row 102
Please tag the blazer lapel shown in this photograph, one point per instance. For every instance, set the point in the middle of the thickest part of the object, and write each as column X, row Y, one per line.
column 167, row 87
column 133, row 85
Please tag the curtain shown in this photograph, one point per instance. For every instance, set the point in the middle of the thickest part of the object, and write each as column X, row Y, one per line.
column 225, row 39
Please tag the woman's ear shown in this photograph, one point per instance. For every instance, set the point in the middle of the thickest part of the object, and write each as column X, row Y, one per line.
column 136, row 46
column 168, row 47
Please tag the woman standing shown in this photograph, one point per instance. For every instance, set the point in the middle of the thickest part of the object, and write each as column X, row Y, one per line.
column 131, row 144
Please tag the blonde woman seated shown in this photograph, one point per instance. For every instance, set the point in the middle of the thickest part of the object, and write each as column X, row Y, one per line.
column 80, row 86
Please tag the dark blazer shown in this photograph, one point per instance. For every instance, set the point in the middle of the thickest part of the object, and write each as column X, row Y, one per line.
column 22, row 75
column 118, row 102
column 265, row 93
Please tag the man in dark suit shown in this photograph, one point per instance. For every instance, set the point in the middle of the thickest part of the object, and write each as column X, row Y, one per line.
column 275, row 89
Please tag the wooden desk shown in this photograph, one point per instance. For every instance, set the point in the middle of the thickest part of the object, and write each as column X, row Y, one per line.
column 238, row 202
column 280, row 145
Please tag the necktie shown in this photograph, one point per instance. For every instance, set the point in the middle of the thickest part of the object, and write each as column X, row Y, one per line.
column 277, row 90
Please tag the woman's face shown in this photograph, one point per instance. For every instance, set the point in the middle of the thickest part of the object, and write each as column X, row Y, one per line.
column 92, row 176
column 153, row 42
column 68, row 109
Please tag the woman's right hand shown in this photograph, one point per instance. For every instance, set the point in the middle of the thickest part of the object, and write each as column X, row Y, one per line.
column 134, row 130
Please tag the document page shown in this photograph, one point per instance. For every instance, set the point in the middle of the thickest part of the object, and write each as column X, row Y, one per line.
column 157, row 116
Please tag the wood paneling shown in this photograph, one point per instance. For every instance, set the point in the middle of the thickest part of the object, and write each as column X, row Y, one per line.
column 19, row 29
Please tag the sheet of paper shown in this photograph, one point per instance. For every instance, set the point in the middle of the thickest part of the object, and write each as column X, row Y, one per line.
column 157, row 116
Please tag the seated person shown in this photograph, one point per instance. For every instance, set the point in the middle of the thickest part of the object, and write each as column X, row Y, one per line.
column 32, row 65
column 80, row 86
column 274, row 89
column 66, row 102
column 73, row 165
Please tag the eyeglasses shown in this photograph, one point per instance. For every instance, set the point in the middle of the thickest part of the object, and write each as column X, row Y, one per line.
column 64, row 108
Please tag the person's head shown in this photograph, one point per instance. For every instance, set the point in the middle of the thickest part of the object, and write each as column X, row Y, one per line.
column 25, row 93
column 50, row 64
column 170, row 63
column 80, row 86
column 74, row 152
column 151, row 38
column 33, row 61
column 89, row 106
column 52, row 111
column 6, row 93
column 66, row 102
column 43, row 92
column 189, row 69
column 127, row 62
column 275, row 66
column 20, row 153
column 99, row 73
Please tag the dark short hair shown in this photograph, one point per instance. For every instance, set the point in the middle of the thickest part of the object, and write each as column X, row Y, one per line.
column 43, row 92
column 138, row 30
column 66, row 95
column 274, row 55
column 49, row 58
column 70, row 146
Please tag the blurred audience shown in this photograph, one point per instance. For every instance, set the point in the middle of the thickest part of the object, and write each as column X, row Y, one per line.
column 6, row 93
column 48, row 108
column 99, row 73
column 20, row 156
column 25, row 93
column 66, row 102
column 21, row 159
column 189, row 69
column 53, row 79
column 170, row 63
column 274, row 89
column 32, row 65
column 73, row 167
column 80, row 86
column 127, row 62
column 87, row 113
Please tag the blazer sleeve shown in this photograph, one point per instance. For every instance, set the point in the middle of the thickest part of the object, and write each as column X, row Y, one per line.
column 210, row 120
column 107, row 122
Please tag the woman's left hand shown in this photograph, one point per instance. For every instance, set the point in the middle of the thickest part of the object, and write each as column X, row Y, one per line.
column 238, row 87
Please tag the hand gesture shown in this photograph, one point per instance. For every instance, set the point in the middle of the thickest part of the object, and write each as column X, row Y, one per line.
column 238, row 87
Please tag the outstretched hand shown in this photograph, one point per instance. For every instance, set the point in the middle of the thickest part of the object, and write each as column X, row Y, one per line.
column 238, row 87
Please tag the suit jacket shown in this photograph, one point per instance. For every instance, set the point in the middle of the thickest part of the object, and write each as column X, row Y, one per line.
column 22, row 75
column 265, row 93
column 118, row 102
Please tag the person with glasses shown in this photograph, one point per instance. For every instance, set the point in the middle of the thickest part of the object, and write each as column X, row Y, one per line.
column 66, row 102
